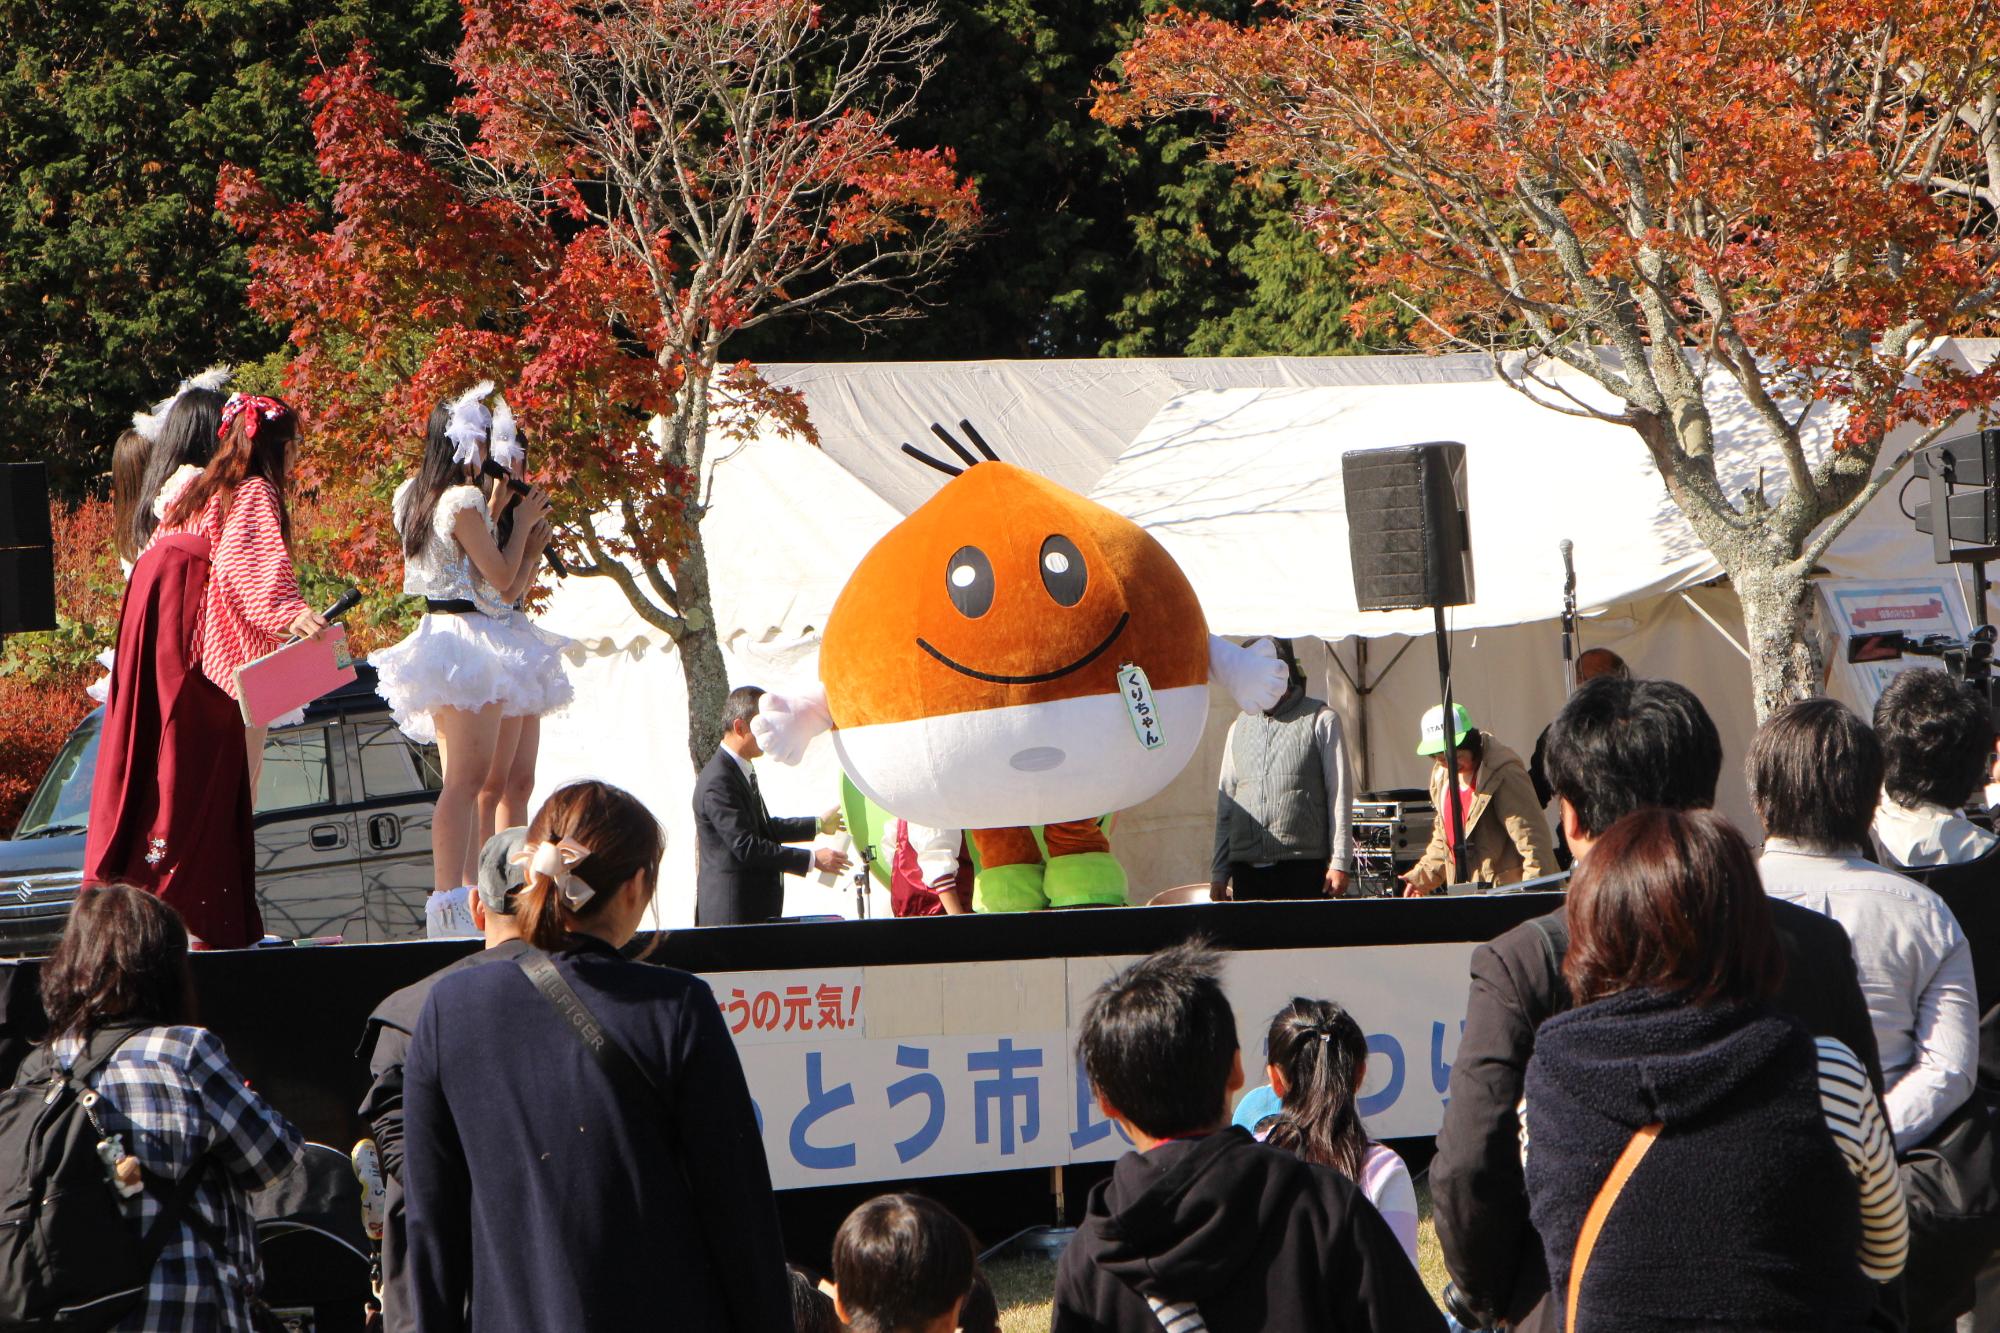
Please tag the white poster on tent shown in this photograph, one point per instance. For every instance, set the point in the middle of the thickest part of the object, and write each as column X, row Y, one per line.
column 1912, row 607
column 892, row 1073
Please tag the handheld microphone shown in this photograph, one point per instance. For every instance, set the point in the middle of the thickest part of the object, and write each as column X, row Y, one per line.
column 346, row 602
column 1569, row 567
column 519, row 488
column 515, row 484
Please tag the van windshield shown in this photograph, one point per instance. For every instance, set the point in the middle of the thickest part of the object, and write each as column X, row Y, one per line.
column 62, row 803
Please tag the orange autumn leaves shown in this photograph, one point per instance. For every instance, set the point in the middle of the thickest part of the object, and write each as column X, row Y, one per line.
column 620, row 193
column 1789, row 181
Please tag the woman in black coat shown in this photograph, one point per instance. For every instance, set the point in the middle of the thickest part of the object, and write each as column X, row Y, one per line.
column 546, row 1190
column 1765, row 1196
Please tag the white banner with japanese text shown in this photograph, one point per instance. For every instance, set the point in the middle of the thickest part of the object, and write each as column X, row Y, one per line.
column 888, row 1073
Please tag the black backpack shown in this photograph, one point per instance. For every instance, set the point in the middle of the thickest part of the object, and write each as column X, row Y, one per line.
column 69, row 1259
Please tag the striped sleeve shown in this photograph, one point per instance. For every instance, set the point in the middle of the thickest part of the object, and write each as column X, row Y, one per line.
column 251, row 564
column 1855, row 1119
column 1177, row 1316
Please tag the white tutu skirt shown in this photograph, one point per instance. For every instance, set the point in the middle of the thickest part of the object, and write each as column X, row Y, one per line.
column 471, row 661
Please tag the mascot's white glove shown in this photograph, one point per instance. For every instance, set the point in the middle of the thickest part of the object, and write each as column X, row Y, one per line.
column 1255, row 676
column 786, row 723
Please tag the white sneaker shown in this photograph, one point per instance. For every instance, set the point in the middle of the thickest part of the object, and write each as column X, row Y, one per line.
column 448, row 915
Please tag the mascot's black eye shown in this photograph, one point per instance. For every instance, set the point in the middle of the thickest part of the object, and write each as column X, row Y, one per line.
column 1062, row 570
column 968, row 577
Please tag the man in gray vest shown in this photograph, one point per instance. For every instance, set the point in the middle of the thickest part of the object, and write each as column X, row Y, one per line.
column 1284, row 807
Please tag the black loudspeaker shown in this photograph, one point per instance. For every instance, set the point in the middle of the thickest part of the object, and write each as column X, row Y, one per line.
column 27, row 590
column 27, row 561
column 1407, row 534
column 24, row 505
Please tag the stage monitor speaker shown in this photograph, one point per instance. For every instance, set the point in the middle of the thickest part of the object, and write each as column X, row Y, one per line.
column 27, row 590
column 24, row 505
column 1407, row 533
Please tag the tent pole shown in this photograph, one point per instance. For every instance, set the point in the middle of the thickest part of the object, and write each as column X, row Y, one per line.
column 1451, row 811
column 1361, row 715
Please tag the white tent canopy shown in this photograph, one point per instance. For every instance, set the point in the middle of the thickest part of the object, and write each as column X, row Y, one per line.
column 1234, row 464
column 1067, row 420
column 1243, row 486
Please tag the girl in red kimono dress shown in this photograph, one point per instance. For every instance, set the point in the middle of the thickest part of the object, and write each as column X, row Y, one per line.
column 171, row 798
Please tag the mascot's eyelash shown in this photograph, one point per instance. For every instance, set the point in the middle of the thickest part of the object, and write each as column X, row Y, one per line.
column 949, row 469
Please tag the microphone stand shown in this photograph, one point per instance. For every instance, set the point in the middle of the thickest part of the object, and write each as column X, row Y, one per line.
column 1569, row 634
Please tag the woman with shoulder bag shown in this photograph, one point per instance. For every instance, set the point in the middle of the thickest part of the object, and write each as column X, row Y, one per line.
column 121, row 971
column 554, row 1180
column 1694, row 1158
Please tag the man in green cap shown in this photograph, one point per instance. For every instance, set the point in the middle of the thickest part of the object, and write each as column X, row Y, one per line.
column 1506, row 836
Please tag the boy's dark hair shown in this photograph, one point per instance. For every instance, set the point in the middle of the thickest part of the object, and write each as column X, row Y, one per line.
column 741, row 705
column 1159, row 1039
column 812, row 1309
column 1671, row 900
column 900, row 1261
column 1936, row 738
column 980, row 1313
column 1622, row 745
column 1815, row 772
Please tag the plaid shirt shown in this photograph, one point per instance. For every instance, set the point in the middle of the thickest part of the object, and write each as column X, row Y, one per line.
column 188, row 1105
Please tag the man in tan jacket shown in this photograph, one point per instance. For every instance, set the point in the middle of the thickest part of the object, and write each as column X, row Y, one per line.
column 1506, row 837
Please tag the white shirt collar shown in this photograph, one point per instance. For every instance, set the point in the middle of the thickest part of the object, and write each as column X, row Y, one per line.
column 1786, row 847
column 741, row 762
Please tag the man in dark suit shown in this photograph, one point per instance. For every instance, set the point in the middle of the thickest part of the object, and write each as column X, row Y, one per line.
column 742, row 849
column 1618, row 746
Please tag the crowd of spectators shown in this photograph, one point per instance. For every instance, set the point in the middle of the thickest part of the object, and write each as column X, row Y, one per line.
column 1715, row 1089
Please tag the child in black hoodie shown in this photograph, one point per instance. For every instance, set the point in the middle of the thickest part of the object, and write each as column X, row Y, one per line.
column 1203, row 1227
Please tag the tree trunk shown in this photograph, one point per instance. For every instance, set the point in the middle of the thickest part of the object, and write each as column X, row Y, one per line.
column 701, row 652
column 1785, row 660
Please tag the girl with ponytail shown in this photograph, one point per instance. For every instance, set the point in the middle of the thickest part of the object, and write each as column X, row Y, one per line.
column 1316, row 1058
column 592, row 861
column 537, row 1180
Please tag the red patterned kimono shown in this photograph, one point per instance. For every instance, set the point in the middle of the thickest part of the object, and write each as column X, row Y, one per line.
column 170, row 801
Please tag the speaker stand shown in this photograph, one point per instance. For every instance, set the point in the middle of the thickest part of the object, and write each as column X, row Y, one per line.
column 1454, row 819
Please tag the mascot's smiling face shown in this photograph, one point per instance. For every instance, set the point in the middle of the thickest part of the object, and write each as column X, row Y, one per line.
column 973, row 662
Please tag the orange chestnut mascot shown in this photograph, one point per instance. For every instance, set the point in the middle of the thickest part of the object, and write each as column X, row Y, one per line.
column 1009, row 655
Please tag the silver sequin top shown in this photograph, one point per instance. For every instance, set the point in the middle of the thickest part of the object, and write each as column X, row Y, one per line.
column 442, row 571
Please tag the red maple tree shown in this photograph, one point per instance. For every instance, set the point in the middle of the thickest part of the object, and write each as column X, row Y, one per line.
column 1654, row 208
column 625, row 187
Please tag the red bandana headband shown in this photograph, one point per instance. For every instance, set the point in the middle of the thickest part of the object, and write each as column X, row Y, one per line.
column 268, row 409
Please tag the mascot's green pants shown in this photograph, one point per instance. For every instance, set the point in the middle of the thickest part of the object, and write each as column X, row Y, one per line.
column 1014, row 876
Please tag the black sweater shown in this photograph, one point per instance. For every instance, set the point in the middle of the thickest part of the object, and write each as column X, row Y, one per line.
column 1480, row 1204
column 1258, row 1240
column 556, row 1203
column 1742, row 1216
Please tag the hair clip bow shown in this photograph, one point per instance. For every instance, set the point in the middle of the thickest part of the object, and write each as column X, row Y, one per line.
column 259, row 407
column 558, row 862
column 469, row 422
column 505, row 448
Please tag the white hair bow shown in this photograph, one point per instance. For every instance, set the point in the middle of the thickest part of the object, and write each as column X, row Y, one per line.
column 558, row 862
column 469, row 422
column 505, row 448
column 150, row 424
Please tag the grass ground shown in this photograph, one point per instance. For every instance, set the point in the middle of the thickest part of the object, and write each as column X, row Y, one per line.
column 1023, row 1288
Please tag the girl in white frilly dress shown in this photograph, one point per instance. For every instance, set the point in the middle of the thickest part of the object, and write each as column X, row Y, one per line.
column 473, row 660
column 503, row 797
